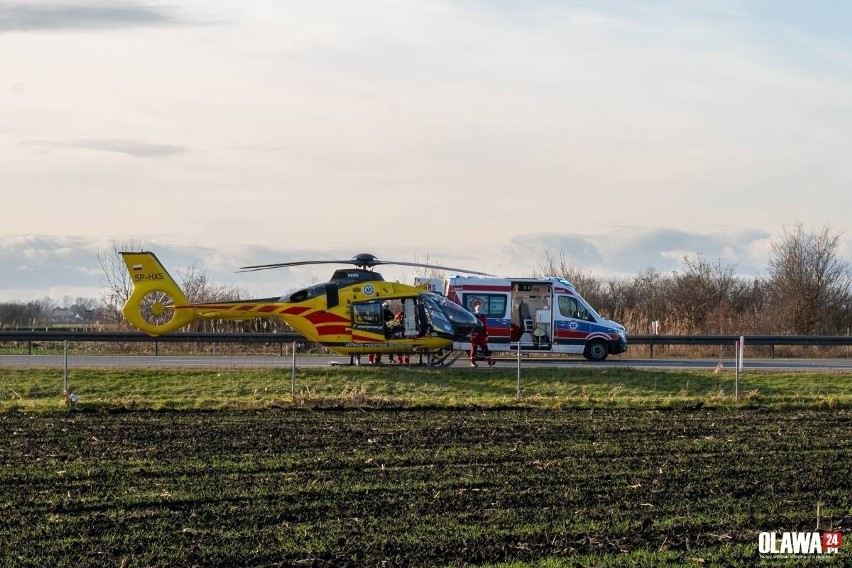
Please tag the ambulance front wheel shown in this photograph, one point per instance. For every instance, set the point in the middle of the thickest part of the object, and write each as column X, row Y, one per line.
column 596, row 351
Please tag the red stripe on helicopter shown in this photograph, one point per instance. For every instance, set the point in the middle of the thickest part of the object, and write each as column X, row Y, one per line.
column 321, row 316
column 246, row 308
column 268, row 309
column 295, row 310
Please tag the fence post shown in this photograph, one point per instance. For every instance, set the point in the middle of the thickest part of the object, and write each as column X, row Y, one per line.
column 736, row 370
column 519, row 370
column 65, row 371
column 293, row 374
column 739, row 351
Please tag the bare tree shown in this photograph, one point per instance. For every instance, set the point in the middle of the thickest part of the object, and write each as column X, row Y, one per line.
column 643, row 299
column 808, row 284
column 427, row 272
column 584, row 280
column 198, row 289
column 114, row 276
column 702, row 293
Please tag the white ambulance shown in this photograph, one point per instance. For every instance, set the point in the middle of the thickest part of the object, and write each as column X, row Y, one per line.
column 541, row 314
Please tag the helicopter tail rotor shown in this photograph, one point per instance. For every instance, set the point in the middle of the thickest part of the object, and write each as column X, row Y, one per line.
column 155, row 304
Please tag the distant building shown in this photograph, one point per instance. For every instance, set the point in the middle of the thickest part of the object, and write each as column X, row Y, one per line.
column 63, row 315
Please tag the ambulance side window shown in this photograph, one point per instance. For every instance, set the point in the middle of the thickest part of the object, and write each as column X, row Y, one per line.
column 570, row 308
column 493, row 305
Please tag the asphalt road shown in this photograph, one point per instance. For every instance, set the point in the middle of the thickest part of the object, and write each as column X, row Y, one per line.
column 214, row 361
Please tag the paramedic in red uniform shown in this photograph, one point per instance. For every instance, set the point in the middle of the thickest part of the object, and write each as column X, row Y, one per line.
column 479, row 338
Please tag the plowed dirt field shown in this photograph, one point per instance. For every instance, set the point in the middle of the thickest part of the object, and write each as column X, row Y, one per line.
column 417, row 487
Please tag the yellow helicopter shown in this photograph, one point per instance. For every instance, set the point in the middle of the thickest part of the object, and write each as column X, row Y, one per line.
column 350, row 314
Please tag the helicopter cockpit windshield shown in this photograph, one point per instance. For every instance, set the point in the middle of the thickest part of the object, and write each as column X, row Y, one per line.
column 447, row 317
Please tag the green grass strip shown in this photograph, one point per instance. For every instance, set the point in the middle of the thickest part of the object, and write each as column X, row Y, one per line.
column 42, row 389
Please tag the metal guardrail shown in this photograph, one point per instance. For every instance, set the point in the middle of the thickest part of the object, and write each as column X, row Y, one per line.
column 138, row 336
column 32, row 337
column 770, row 341
column 823, row 340
column 293, row 337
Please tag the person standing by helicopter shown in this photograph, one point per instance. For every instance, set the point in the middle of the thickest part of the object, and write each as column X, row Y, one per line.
column 479, row 337
column 401, row 358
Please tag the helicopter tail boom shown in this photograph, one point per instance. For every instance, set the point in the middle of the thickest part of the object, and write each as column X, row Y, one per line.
column 152, row 305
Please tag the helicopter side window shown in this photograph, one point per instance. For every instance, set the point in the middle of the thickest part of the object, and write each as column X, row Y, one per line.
column 367, row 316
column 308, row 293
column 372, row 316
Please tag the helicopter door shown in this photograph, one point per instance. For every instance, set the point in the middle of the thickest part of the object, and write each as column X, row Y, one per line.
column 409, row 311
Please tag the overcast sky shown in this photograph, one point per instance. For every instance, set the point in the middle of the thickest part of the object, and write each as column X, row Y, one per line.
column 622, row 134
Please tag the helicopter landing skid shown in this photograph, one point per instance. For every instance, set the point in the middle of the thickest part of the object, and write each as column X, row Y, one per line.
column 445, row 359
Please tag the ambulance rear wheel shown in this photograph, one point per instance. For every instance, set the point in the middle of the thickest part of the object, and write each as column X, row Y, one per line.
column 596, row 351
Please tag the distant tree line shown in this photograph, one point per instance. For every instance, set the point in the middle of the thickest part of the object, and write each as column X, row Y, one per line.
column 806, row 290
column 76, row 312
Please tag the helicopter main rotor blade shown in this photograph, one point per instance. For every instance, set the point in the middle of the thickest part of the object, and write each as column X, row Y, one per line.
column 257, row 267
column 435, row 266
column 363, row 261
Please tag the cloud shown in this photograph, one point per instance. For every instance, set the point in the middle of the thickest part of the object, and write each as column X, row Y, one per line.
column 631, row 250
column 130, row 147
column 85, row 16
column 37, row 266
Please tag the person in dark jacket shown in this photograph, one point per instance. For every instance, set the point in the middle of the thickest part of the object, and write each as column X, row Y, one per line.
column 479, row 338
